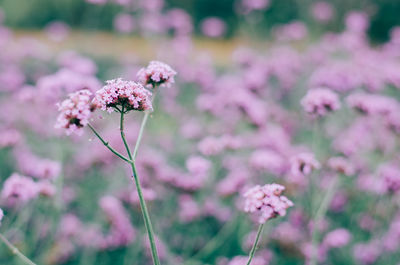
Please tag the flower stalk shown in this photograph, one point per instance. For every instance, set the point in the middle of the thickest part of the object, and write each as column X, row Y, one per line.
column 15, row 251
column 254, row 248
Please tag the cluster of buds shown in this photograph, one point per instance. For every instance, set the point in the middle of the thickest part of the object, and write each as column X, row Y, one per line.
column 267, row 201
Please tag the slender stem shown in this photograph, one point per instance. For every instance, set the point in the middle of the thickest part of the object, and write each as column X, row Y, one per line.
column 142, row 201
column 139, row 139
column 254, row 248
column 108, row 145
column 15, row 251
column 319, row 215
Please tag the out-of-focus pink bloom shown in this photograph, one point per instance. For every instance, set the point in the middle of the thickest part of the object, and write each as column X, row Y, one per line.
column 391, row 177
column 210, row 146
column 213, row 27
column 124, row 23
column 373, row 104
column 152, row 5
column 19, row 189
column 337, row 238
column 79, row 64
column 156, row 74
column 268, row 160
column 341, row 165
column 267, row 201
column 357, row 22
column 320, row 101
column 45, row 188
column 9, row 137
column 122, row 233
column 303, row 164
column 1, row 215
column 120, row 93
column 189, row 209
column 75, row 112
column 322, row 11
column 367, row 253
column 179, row 21
column 250, row 5
column 57, row 31
column 70, row 226
column 291, row 32
column 197, row 165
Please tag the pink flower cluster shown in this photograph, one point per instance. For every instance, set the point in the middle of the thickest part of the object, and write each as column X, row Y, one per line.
column 120, row 93
column 75, row 112
column 267, row 201
column 320, row 101
column 122, row 232
column 21, row 189
column 155, row 74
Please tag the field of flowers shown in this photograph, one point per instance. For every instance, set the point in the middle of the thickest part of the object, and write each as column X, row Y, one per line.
column 286, row 153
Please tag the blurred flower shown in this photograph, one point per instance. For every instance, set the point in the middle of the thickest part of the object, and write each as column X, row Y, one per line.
column 75, row 112
column 267, row 201
column 155, row 74
column 303, row 164
column 120, row 93
column 124, row 23
column 213, row 27
column 57, row 31
column 322, row 11
column 320, row 101
column 336, row 238
column 341, row 165
column 19, row 189
column 357, row 22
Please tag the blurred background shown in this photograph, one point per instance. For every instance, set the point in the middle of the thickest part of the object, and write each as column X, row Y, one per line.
column 233, row 119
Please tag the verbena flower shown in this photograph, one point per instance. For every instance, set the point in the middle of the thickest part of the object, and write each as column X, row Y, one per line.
column 155, row 74
column 75, row 112
column 120, row 93
column 303, row 164
column 267, row 201
column 320, row 101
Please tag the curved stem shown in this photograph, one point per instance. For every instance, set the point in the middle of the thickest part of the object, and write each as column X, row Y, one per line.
column 319, row 215
column 15, row 251
column 145, row 212
column 254, row 248
column 108, row 145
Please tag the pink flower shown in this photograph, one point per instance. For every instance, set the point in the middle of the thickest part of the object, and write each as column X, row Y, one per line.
column 155, row 74
column 213, row 27
column 322, row 11
column 341, row 165
column 124, row 23
column 122, row 232
column 75, row 112
column 303, row 164
column 357, row 22
column 320, row 101
column 337, row 238
column 19, row 188
column 120, row 93
column 267, row 201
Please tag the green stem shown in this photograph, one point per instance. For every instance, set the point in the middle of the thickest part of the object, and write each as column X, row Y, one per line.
column 139, row 139
column 319, row 215
column 143, row 206
column 15, row 251
column 254, row 248
column 108, row 145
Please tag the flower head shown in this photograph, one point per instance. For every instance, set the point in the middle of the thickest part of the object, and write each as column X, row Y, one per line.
column 120, row 93
column 75, row 111
column 156, row 73
column 320, row 101
column 303, row 164
column 267, row 201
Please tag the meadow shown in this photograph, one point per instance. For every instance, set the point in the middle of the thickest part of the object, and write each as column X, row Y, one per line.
column 166, row 141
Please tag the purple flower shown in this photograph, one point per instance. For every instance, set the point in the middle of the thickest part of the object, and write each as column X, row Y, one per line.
column 120, row 93
column 267, row 201
column 75, row 112
column 320, row 101
column 155, row 74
